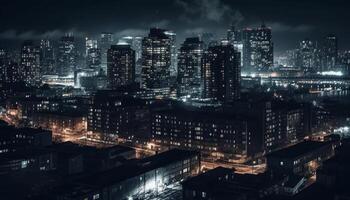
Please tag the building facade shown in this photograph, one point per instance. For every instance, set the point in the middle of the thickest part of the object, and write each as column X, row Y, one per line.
column 258, row 48
column 66, row 56
column 221, row 73
column 121, row 66
column 30, row 70
column 189, row 68
column 156, row 60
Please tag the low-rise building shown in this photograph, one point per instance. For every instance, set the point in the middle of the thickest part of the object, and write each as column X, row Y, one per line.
column 216, row 134
column 60, row 121
column 301, row 159
column 142, row 179
column 13, row 139
column 223, row 184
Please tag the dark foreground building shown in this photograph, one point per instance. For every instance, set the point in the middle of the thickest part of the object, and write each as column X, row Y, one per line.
column 143, row 179
column 223, row 184
column 13, row 139
column 300, row 159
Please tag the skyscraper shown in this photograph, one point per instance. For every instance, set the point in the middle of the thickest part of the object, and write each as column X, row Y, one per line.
column 329, row 52
column 136, row 45
column 93, row 58
column 234, row 35
column 89, row 44
column 8, row 69
column 30, row 71
column 221, row 73
column 3, row 65
column 47, row 57
column 257, row 48
column 173, row 51
column 189, row 67
column 121, row 66
column 66, row 63
column 306, row 57
column 106, row 40
column 156, row 60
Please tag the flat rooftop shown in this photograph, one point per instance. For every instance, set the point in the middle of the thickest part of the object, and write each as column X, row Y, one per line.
column 11, row 130
column 136, row 168
column 299, row 149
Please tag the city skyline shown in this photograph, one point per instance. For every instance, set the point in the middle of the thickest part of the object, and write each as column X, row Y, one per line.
column 174, row 100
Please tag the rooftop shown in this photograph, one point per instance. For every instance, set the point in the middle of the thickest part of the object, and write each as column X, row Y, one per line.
column 299, row 149
column 136, row 168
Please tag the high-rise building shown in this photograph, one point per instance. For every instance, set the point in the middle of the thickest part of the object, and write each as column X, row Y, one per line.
column 329, row 52
column 257, row 48
column 121, row 66
column 66, row 63
column 173, row 51
column 3, row 65
column 47, row 57
column 89, row 44
column 221, row 73
column 156, row 60
column 234, row 35
column 106, row 40
column 9, row 71
column 209, row 39
column 30, row 71
column 136, row 45
column 93, row 58
column 308, row 56
column 189, row 67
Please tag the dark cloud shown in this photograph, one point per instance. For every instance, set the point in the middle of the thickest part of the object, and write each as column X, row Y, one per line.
column 291, row 20
column 208, row 10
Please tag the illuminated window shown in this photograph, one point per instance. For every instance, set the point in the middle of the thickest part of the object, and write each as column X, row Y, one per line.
column 96, row 196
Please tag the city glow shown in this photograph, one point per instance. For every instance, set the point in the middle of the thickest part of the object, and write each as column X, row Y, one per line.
column 331, row 73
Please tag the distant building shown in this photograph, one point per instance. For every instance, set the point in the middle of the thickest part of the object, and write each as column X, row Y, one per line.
column 106, row 40
column 189, row 67
column 257, row 48
column 329, row 53
column 66, row 56
column 121, row 66
column 9, row 70
column 90, row 44
column 30, row 71
column 47, row 57
column 221, row 73
column 156, row 60
column 309, row 56
column 173, row 51
column 136, row 45
column 93, row 59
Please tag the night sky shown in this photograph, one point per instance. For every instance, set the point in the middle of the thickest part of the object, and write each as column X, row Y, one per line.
column 291, row 20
